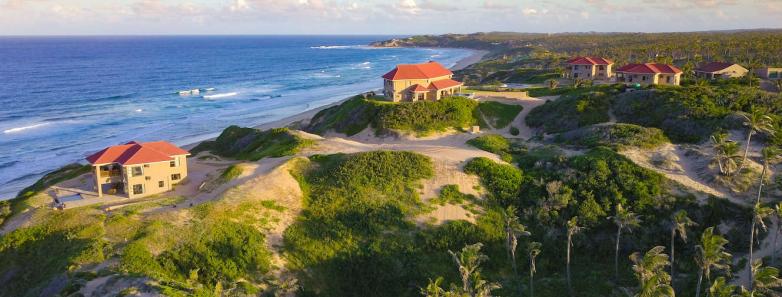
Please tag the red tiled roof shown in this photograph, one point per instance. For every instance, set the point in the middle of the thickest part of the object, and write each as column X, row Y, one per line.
column 649, row 68
column 713, row 66
column 444, row 84
column 420, row 88
column 589, row 61
column 137, row 153
column 417, row 71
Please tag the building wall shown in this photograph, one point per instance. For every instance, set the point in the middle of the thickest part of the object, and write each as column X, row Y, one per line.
column 590, row 71
column 650, row 79
column 769, row 72
column 399, row 90
column 734, row 71
column 152, row 176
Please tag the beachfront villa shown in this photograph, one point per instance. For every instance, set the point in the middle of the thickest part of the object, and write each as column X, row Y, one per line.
column 594, row 68
column 769, row 72
column 137, row 170
column 649, row 74
column 414, row 82
column 714, row 70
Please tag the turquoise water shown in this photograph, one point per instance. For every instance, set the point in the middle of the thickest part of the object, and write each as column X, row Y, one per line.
column 63, row 98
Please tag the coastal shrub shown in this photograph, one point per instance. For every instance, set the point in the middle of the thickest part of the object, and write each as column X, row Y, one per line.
column 31, row 257
column 498, row 114
column 570, row 112
column 691, row 113
column 253, row 144
column 614, row 135
column 514, row 131
column 350, row 117
column 231, row 173
column 424, row 117
column 493, row 143
column 501, row 180
column 450, row 194
column 355, row 223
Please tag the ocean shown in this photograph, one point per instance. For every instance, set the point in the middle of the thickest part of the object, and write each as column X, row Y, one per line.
column 63, row 98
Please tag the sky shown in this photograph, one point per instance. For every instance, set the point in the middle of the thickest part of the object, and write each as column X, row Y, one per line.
column 388, row 17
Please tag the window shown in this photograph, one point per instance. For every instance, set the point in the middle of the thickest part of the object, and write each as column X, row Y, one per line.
column 172, row 163
column 137, row 171
column 601, row 67
column 147, row 178
column 138, row 189
column 161, row 184
column 176, row 176
column 643, row 78
column 575, row 75
column 668, row 79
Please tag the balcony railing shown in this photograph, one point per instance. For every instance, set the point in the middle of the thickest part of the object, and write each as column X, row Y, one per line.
column 110, row 173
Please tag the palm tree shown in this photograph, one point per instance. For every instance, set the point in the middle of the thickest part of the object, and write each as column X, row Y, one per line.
column 725, row 153
column 624, row 219
column 710, row 253
column 778, row 214
column 760, row 213
column 434, row 288
column 468, row 261
column 721, row 288
column 553, row 83
column 765, row 279
column 679, row 223
column 650, row 272
column 577, row 83
column 513, row 229
column 572, row 229
column 533, row 249
column 756, row 121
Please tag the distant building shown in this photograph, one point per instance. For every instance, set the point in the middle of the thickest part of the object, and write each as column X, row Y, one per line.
column 713, row 70
column 589, row 68
column 138, row 170
column 769, row 72
column 649, row 74
column 413, row 82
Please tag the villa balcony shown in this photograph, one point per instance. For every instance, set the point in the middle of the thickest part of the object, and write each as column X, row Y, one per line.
column 110, row 173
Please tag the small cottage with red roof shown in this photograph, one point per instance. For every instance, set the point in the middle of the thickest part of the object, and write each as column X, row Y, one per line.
column 138, row 169
column 714, row 70
column 413, row 82
column 589, row 68
column 649, row 74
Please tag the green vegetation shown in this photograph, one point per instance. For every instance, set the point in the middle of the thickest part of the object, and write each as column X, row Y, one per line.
column 495, row 144
column 350, row 117
column 499, row 115
column 231, row 173
column 23, row 201
column 253, row 144
column 614, row 135
column 421, row 118
column 692, row 113
column 522, row 75
column 571, row 112
column 450, row 194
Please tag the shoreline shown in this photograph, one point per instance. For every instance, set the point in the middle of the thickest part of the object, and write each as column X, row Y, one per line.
column 475, row 57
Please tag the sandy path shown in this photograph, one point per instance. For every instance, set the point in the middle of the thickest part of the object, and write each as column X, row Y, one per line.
column 516, row 98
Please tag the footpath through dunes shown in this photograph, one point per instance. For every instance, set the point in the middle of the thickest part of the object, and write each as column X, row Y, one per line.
column 516, row 98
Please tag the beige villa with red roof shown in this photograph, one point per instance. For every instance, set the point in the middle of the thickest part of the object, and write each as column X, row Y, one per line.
column 714, row 70
column 414, row 82
column 649, row 74
column 137, row 169
column 589, row 68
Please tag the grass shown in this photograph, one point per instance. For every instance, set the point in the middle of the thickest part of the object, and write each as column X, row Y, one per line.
column 450, row 194
column 499, row 115
column 253, row 144
column 616, row 135
column 231, row 173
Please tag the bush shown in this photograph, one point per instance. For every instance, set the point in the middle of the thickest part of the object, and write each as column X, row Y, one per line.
column 502, row 181
column 691, row 113
column 424, row 117
column 571, row 112
column 349, row 118
column 495, row 144
column 253, row 144
column 231, row 173
column 499, row 115
column 450, row 194
column 615, row 135
column 514, row 131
